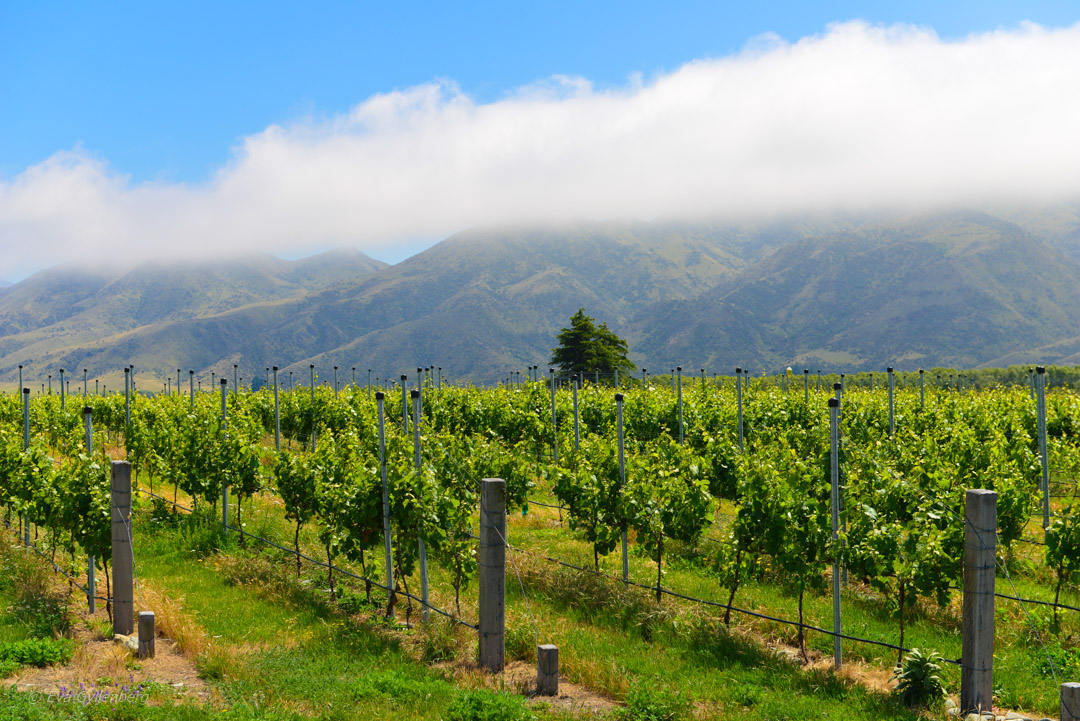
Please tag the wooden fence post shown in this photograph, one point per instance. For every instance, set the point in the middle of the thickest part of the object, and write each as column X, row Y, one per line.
column 980, row 545
column 123, row 589
column 1070, row 702
column 492, row 569
column 547, row 670
column 146, row 634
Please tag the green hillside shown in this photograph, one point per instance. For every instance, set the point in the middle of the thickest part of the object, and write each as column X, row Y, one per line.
column 950, row 289
column 475, row 304
column 58, row 315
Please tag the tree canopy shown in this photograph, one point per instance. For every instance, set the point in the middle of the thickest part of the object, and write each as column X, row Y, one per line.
column 585, row 346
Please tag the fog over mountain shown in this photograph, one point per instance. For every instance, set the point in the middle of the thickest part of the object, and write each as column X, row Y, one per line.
column 958, row 287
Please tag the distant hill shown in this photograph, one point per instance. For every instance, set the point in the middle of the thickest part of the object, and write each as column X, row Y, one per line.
column 4, row 283
column 962, row 287
column 1058, row 225
column 948, row 289
column 476, row 303
column 52, row 315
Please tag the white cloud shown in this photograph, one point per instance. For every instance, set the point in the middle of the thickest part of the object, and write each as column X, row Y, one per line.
column 857, row 116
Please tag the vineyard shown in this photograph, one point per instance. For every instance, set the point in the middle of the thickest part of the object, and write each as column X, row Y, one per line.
column 687, row 521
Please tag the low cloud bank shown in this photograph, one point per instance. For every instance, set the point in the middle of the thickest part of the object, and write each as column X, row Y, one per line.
column 859, row 116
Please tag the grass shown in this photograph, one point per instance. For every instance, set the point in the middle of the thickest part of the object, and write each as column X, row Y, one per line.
column 1020, row 680
column 625, row 626
column 608, row 637
column 272, row 645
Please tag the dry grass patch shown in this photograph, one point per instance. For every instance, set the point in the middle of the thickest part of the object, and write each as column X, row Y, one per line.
column 99, row 661
column 171, row 621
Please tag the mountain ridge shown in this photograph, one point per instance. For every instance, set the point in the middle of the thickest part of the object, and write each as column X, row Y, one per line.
column 957, row 287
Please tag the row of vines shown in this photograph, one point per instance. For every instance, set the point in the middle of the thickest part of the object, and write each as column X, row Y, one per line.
column 767, row 506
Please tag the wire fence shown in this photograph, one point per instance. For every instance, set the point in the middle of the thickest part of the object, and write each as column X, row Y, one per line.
column 316, row 561
column 715, row 604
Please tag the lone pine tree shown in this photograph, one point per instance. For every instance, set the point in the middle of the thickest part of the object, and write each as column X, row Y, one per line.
column 585, row 346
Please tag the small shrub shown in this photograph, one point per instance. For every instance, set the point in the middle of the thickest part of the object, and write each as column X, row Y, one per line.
column 919, row 678
column 1066, row 661
column 353, row 603
column 162, row 514
column 38, row 652
column 646, row 702
column 47, row 616
column 483, row 705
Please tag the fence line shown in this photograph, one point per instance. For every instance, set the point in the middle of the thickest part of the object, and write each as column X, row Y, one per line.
column 716, row 604
column 316, row 561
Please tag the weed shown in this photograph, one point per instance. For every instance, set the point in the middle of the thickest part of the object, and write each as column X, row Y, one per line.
column 201, row 538
column 268, row 575
column 102, row 628
column 520, row 643
column 353, row 603
column 919, row 678
column 218, row 662
column 440, row 640
column 646, row 702
column 47, row 615
column 1066, row 661
column 162, row 514
column 1039, row 626
column 594, row 596
column 715, row 644
column 395, row 687
column 23, row 573
column 484, row 705
column 747, row 695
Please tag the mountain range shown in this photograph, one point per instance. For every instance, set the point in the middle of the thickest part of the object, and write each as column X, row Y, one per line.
column 959, row 287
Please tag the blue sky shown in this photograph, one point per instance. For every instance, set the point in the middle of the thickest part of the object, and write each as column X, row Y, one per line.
column 177, row 129
column 163, row 90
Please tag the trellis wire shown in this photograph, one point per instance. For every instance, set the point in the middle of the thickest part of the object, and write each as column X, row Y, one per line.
column 317, row 562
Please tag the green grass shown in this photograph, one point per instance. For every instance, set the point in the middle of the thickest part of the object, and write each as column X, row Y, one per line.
column 293, row 650
column 280, row 648
column 607, row 649
column 723, row 673
column 1019, row 677
column 726, row 675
